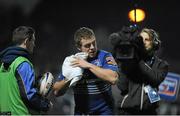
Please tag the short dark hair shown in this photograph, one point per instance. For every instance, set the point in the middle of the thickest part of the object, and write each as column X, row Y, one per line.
column 21, row 33
column 82, row 33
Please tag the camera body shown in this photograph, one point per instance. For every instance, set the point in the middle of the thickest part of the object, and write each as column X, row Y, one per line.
column 127, row 44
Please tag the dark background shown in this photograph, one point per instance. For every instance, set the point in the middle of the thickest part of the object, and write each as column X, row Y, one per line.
column 55, row 22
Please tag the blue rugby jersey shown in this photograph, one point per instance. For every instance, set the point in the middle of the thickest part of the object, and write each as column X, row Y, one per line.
column 93, row 95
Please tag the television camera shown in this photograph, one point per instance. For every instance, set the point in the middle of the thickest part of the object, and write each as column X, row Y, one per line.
column 127, row 44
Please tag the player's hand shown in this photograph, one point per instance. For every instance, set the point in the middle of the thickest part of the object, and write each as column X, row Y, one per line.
column 80, row 63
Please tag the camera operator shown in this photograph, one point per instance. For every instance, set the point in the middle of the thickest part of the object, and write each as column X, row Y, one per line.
column 141, row 76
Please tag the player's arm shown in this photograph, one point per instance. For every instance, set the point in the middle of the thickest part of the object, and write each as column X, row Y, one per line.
column 105, row 73
column 61, row 86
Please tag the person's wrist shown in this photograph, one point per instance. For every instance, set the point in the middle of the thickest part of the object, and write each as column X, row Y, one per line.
column 66, row 80
column 90, row 66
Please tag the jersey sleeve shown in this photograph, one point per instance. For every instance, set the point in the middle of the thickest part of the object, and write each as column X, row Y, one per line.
column 60, row 77
column 109, row 62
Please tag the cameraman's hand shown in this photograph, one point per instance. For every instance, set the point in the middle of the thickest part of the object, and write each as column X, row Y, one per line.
column 140, row 49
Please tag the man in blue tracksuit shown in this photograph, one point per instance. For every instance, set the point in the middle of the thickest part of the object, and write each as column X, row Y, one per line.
column 92, row 93
column 20, row 95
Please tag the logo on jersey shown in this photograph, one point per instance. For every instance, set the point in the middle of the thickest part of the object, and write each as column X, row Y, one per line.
column 110, row 60
column 97, row 62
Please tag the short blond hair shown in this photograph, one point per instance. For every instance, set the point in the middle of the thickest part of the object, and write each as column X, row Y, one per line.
column 83, row 33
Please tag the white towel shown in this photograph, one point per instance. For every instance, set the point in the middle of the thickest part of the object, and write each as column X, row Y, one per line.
column 73, row 73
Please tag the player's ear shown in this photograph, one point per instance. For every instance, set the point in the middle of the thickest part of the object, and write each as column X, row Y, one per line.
column 25, row 42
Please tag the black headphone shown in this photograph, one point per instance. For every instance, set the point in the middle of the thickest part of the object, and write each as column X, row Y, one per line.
column 156, row 40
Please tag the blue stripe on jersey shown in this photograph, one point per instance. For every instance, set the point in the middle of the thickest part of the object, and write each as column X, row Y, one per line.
column 92, row 90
